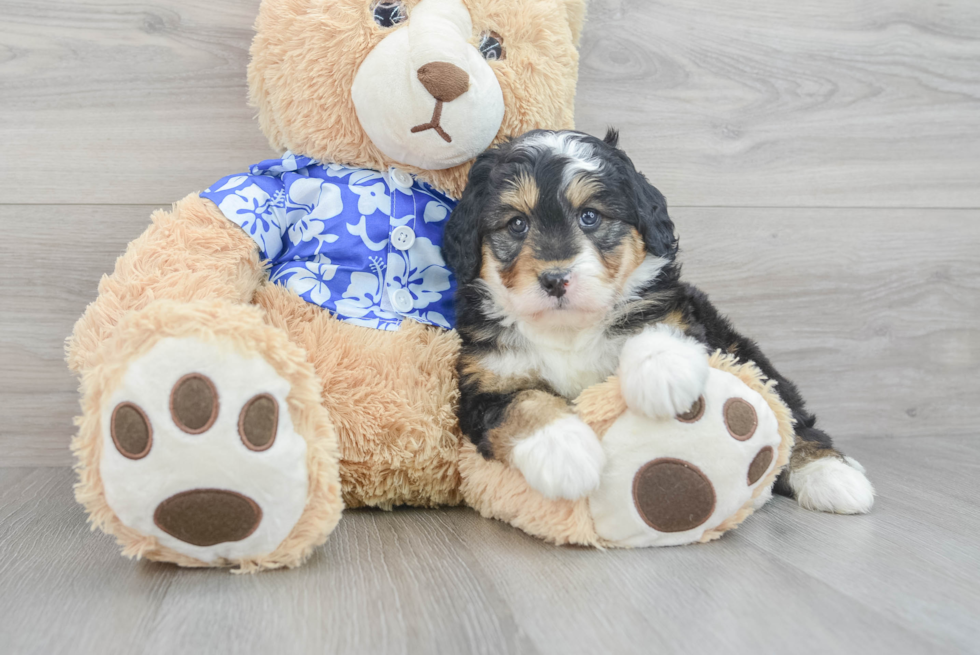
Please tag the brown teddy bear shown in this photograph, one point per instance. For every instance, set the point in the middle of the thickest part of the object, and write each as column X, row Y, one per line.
column 277, row 347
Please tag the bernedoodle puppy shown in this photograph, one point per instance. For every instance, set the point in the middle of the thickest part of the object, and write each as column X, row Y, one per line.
column 565, row 257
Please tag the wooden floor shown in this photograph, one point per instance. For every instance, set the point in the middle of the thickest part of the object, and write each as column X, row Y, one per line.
column 822, row 161
column 902, row 580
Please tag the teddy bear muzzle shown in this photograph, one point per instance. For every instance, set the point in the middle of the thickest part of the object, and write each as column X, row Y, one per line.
column 424, row 95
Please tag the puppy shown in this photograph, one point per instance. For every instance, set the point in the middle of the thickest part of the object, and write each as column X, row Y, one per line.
column 565, row 261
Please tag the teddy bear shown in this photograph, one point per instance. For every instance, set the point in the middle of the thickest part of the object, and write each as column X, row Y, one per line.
column 278, row 347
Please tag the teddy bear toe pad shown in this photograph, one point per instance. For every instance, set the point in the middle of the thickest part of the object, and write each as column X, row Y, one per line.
column 667, row 481
column 692, row 495
column 199, row 452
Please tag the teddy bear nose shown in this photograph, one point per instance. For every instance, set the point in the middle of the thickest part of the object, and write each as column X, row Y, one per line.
column 205, row 517
column 444, row 81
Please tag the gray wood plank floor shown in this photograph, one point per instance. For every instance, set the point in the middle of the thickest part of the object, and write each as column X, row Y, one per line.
column 901, row 580
column 822, row 160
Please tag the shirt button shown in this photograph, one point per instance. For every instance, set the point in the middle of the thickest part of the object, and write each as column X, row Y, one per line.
column 401, row 178
column 402, row 237
column 402, row 301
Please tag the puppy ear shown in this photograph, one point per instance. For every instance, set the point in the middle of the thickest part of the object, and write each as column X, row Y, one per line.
column 612, row 137
column 654, row 223
column 461, row 243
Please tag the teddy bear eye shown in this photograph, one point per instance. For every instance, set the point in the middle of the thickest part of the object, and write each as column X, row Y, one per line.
column 388, row 13
column 492, row 46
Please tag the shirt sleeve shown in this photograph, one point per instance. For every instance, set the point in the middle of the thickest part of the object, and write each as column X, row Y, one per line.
column 256, row 204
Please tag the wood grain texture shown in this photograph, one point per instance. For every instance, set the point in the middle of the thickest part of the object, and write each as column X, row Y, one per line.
column 47, row 286
column 109, row 102
column 748, row 103
column 873, row 313
column 901, row 580
column 870, row 103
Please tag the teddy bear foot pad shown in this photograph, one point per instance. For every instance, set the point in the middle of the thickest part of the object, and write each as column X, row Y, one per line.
column 675, row 480
column 200, row 451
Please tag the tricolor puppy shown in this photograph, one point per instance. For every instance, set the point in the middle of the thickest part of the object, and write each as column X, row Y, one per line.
column 565, row 260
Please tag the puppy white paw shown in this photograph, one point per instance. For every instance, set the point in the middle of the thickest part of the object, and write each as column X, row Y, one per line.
column 662, row 372
column 561, row 460
column 830, row 484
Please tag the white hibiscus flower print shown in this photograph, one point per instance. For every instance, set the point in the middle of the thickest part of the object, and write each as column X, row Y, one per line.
column 435, row 212
column 290, row 163
column 230, row 183
column 360, row 230
column 311, row 278
column 363, row 296
column 373, row 198
column 251, row 208
column 421, row 270
column 309, row 204
column 357, row 175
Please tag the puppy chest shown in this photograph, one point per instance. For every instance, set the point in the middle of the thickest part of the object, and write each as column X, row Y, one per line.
column 567, row 371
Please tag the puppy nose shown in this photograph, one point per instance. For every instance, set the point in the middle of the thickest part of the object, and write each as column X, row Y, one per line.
column 554, row 282
column 205, row 517
column 444, row 81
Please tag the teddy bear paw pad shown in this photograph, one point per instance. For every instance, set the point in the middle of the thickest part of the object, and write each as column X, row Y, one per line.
column 672, row 495
column 199, row 451
column 668, row 481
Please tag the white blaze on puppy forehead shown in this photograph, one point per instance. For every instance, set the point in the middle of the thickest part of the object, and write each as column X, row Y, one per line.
column 566, row 144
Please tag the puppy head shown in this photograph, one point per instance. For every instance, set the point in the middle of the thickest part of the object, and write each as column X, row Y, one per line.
column 559, row 227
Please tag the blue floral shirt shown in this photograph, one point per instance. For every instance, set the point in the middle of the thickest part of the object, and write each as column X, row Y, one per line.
column 363, row 244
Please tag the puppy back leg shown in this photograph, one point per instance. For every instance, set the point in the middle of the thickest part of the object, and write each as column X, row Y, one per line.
column 819, row 476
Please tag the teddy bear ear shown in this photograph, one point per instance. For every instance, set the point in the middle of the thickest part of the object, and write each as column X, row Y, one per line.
column 575, row 9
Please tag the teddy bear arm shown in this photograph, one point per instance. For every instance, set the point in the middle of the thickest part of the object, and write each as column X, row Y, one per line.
column 189, row 253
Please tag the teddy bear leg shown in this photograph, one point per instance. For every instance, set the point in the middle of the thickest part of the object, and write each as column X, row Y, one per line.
column 202, row 439
column 390, row 394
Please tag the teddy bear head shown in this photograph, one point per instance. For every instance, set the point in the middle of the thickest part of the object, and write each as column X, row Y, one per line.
column 425, row 85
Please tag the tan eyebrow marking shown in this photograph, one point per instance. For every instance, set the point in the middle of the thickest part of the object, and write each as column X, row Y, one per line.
column 522, row 194
column 581, row 190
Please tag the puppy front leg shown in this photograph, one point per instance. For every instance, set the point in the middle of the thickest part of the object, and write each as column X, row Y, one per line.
column 662, row 372
column 537, row 433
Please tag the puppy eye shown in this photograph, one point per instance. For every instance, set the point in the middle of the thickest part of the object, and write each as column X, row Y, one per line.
column 388, row 13
column 492, row 46
column 589, row 218
column 517, row 226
